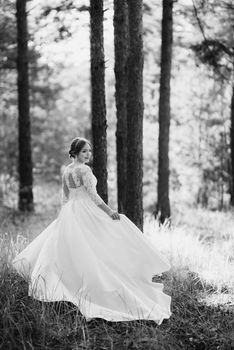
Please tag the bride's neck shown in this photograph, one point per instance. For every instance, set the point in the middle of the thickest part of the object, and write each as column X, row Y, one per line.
column 76, row 162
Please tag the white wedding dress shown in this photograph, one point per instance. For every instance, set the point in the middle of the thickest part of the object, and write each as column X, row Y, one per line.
column 103, row 266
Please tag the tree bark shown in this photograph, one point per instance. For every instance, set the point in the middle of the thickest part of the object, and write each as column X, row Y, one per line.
column 25, row 156
column 232, row 147
column 134, row 205
column 121, row 88
column 163, row 204
column 98, row 104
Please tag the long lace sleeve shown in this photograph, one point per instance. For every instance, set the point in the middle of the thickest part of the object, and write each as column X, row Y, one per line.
column 65, row 191
column 89, row 182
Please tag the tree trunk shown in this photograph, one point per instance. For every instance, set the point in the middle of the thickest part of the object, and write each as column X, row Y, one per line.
column 232, row 147
column 134, row 206
column 25, row 155
column 121, row 86
column 163, row 205
column 98, row 104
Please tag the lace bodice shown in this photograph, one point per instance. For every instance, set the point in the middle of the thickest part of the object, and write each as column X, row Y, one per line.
column 77, row 176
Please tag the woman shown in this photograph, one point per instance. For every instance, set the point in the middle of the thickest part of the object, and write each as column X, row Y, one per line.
column 94, row 257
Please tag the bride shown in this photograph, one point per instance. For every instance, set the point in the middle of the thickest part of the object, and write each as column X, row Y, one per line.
column 92, row 256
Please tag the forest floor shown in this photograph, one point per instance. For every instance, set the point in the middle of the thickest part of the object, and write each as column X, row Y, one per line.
column 200, row 247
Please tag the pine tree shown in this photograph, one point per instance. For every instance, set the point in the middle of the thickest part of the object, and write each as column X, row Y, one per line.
column 121, row 86
column 163, row 203
column 134, row 205
column 98, row 104
column 25, row 156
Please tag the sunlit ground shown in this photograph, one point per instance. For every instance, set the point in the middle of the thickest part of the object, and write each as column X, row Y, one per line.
column 203, row 245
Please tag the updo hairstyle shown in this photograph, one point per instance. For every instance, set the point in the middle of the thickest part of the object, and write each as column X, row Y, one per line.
column 76, row 146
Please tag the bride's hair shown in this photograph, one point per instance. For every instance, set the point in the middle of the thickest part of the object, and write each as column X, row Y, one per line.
column 77, row 145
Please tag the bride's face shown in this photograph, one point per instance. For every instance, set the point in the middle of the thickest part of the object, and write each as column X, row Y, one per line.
column 85, row 154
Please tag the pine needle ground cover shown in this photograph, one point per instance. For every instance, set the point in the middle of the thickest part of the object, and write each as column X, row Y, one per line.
column 200, row 248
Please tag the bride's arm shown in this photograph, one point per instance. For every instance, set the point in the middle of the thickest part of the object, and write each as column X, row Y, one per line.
column 107, row 209
column 65, row 191
column 87, row 178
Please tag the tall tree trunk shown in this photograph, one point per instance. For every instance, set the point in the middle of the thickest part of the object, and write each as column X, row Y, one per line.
column 134, row 206
column 25, row 156
column 98, row 104
column 163, row 205
column 121, row 86
column 232, row 147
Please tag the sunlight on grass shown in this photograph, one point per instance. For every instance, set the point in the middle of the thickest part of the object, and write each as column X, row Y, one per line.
column 220, row 299
column 212, row 260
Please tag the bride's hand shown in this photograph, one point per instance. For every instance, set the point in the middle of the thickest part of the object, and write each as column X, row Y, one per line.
column 115, row 215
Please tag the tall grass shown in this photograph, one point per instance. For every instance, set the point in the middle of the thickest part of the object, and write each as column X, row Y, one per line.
column 209, row 254
column 201, row 282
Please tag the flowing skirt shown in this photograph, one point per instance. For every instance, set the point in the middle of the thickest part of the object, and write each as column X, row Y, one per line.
column 103, row 266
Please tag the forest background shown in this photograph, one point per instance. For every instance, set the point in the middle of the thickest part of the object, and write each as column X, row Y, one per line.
column 60, row 100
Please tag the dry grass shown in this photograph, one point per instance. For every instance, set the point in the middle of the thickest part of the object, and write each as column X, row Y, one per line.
column 201, row 282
